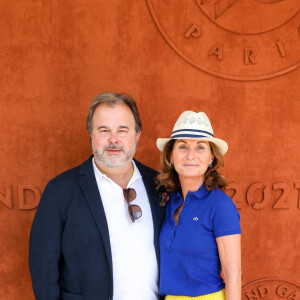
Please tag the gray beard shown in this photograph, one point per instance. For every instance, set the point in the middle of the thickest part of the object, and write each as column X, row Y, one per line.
column 101, row 159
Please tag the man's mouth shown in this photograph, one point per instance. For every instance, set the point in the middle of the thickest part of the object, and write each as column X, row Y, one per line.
column 113, row 149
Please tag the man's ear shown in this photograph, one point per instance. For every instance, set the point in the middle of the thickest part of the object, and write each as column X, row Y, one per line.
column 137, row 136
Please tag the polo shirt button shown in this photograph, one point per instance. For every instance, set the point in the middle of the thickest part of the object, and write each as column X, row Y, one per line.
column 184, row 205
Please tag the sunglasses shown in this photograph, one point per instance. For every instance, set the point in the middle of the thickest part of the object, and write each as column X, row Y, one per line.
column 134, row 211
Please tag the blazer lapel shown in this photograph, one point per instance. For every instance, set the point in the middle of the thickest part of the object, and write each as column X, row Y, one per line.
column 90, row 189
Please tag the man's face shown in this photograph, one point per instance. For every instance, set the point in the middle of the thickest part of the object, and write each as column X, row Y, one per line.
column 113, row 138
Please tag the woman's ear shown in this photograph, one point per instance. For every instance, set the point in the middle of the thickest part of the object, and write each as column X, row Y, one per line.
column 171, row 158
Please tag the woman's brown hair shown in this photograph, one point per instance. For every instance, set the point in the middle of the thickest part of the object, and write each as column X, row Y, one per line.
column 168, row 176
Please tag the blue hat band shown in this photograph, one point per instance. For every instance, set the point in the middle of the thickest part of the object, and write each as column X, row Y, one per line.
column 191, row 135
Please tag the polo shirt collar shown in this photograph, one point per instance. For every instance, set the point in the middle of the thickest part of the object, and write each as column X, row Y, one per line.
column 199, row 194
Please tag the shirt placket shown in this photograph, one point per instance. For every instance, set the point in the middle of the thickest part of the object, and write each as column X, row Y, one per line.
column 180, row 219
column 184, row 210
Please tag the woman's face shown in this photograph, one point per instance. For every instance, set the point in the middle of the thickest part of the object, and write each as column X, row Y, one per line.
column 191, row 158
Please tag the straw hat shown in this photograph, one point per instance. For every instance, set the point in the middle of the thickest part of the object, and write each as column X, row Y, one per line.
column 193, row 126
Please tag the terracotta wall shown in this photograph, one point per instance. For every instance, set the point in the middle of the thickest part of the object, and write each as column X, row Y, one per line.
column 236, row 60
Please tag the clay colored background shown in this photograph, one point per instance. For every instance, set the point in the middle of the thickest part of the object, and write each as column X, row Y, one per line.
column 56, row 55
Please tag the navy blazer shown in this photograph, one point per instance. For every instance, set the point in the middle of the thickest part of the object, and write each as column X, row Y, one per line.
column 69, row 250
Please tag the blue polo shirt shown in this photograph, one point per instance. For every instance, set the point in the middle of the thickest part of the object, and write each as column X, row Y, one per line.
column 190, row 263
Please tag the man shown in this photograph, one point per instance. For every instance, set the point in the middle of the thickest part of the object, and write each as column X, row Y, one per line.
column 95, row 233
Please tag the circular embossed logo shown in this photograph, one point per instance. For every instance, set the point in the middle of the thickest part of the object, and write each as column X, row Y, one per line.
column 234, row 39
column 271, row 289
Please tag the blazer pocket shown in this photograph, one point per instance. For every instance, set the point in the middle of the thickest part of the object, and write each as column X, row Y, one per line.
column 69, row 296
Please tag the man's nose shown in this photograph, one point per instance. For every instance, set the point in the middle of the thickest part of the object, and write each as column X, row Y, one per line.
column 113, row 138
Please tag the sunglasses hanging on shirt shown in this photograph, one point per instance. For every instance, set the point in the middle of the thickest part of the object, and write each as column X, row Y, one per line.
column 135, row 212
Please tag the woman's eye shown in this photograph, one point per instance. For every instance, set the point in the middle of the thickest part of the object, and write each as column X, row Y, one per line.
column 182, row 147
column 200, row 148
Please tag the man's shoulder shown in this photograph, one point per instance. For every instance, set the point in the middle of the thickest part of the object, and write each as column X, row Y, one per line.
column 72, row 174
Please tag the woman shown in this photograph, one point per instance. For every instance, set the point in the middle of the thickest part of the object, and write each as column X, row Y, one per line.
column 201, row 233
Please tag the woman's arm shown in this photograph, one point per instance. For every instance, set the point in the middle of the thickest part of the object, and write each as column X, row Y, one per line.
column 229, row 247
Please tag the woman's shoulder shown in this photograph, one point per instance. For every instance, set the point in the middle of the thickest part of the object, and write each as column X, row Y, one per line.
column 220, row 198
column 219, row 194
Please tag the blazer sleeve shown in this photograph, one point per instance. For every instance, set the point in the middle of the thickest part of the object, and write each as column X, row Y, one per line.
column 45, row 246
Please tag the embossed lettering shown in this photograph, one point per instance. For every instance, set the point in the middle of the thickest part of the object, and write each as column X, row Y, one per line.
column 281, row 202
column 248, row 36
column 7, row 197
column 250, row 196
column 253, row 295
column 297, row 186
column 217, row 50
column 194, row 31
column 271, row 288
column 282, row 291
column 249, row 56
column 263, row 291
column 257, row 196
column 293, row 296
column 21, row 195
column 280, row 48
column 237, row 194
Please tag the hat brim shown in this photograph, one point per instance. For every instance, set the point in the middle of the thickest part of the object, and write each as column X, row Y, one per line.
column 221, row 145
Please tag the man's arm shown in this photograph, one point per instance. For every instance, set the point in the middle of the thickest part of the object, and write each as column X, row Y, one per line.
column 45, row 247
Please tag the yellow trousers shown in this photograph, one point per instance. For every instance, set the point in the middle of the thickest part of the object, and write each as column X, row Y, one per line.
column 220, row 295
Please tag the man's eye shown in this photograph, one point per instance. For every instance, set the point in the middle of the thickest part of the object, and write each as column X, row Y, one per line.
column 123, row 130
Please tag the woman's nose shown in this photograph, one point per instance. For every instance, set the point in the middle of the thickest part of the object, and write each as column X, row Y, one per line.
column 190, row 154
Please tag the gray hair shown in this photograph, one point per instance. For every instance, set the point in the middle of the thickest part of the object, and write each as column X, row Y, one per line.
column 111, row 99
